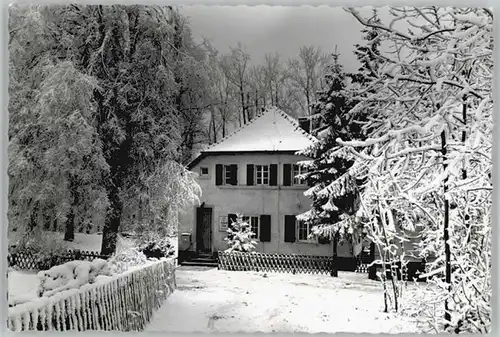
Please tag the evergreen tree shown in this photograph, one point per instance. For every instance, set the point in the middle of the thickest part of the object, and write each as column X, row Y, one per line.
column 368, row 55
column 334, row 192
column 336, row 189
column 240, row 236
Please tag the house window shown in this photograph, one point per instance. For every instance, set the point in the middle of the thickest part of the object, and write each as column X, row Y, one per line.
column 262, row 174
column 304, row 230
column 296, row 171
column 253, row 221
column 204, row 172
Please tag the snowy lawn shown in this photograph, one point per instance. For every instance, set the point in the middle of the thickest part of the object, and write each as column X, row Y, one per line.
column 86, row 242
column 211, row 300
column 22, row 286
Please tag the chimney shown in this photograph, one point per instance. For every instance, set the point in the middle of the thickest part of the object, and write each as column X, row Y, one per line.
column 305, row 124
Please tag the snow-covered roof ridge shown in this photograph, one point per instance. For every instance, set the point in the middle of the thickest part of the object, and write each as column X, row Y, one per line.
column 272, row 130
column 234, row 132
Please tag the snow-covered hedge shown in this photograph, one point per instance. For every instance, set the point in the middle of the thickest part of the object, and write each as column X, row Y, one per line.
column 71, row 275
column 123, row 302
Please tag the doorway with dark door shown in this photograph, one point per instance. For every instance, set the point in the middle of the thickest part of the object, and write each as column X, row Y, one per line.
column 204, row 230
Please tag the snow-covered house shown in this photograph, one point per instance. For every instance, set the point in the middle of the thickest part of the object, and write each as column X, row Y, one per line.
column 252, row 172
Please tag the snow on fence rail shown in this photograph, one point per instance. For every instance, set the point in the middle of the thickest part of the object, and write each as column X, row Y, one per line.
column 29, row 261
column 287, row 263
column 123, row 302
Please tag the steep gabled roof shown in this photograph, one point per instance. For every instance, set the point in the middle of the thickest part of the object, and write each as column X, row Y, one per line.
column 272, row 131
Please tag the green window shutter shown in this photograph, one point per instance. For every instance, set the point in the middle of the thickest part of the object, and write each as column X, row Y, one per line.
column 265, row 228
column 287, row 174
column 218, row 174
column 273, row 175
column 250, row 174
column 290, row 229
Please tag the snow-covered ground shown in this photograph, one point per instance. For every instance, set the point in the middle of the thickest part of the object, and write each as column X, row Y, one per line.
column 86, row 242
column 211, row 300
column 22, row 286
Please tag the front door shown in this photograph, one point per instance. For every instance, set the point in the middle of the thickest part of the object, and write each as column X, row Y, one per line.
column 204, row 230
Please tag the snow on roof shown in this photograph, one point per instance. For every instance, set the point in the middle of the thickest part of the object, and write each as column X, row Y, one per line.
column 273, row 130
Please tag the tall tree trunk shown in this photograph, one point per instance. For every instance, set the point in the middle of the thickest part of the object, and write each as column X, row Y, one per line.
column 447, row 252
column 335, row 271
column 256, row 103
column 224, row 127
column 112, row 223
column 276, row 92
column 464, row 169
column 69, row 232
column 242, row 96
column 249, row 116
column 214, row 130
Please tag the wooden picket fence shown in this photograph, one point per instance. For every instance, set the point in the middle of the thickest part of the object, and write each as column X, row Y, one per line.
column 362, row 268
column 125, row 302
column 29, row 261
column 283, row 263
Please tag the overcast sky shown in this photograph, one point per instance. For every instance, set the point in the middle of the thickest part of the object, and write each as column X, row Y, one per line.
column 269, row 29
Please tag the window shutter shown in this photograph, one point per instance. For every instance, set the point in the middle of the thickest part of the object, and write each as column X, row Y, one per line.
column 234, row 175
column 273, row 172
column 287, row 174
column 250, row 175
column 265, row 228
column 218, row 174
column 290, row 228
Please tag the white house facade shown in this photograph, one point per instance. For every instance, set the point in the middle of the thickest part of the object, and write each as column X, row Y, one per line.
column 253, row 172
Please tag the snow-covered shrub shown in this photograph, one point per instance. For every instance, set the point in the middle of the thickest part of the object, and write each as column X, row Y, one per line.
column 71, row 275
column 125, row 258
column 239, row 236
column 157, row 248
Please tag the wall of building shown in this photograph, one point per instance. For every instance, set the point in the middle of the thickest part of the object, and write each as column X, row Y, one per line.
column 276, row 201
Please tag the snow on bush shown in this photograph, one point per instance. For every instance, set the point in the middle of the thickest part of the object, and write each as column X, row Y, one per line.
column 126, row 256
column 41, row 244
column 240, row 236
column 71, row 275
column 157, row 247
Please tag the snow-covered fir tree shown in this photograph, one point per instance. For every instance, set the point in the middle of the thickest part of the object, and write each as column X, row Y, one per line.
column 334, row 192
column 240, row 237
